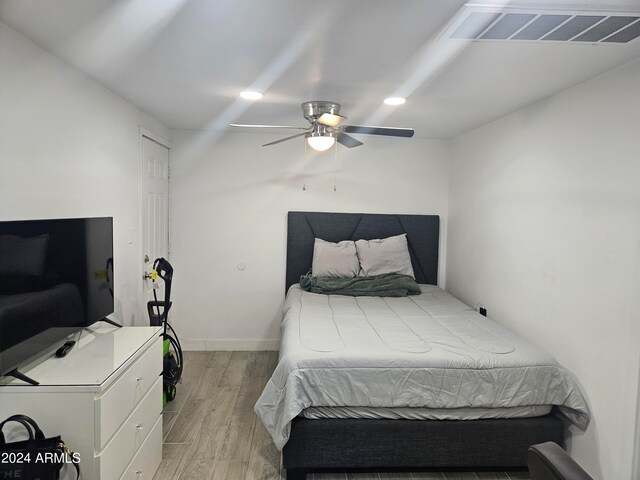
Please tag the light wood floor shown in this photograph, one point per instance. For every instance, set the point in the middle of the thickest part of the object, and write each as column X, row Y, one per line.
column 212, row 433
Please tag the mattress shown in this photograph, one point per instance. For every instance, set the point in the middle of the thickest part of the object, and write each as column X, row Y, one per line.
column 408, row 413
column 424, row 351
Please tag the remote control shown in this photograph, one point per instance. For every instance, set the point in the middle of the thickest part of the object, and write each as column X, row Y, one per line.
column 64, row 349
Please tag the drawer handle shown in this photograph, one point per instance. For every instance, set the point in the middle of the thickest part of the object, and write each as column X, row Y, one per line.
column 139, row 473
column 139, row 426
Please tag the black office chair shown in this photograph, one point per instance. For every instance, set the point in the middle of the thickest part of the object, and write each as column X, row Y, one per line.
column 548, row 461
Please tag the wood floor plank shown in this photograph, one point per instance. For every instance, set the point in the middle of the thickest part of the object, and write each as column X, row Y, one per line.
column 519, row 475
column 222, row 400
column 203, row 453
column 257, row 364
column 283, row 472
column 248, row 393
column 460, row 476
column 427, row 476
column 234, row 371
column 229, row 471
column 363, row 476
column 328, row 476
column 492, row 476
column 168, row 418
column 173, row 458
column 194, row 364
column 394, row 475
column 264, row 461
column 188, row 421
column 211, row 375
column 272, row 361
column 237, row 444
column 218, row 360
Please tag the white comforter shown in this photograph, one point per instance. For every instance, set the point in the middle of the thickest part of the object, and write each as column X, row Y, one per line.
column 429, row 350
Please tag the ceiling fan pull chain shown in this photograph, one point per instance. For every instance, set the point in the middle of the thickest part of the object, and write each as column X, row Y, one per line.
column 304, row 166
column 335, row 168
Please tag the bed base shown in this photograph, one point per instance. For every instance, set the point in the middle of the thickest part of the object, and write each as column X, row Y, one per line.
column 345, row 444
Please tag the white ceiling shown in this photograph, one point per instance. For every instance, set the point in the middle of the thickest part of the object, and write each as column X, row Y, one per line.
column 184, row 61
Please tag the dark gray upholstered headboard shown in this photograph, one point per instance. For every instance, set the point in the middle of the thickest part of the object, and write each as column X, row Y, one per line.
column 423, row 234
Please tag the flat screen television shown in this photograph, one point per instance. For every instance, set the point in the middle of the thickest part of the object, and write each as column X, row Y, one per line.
column 56, row 277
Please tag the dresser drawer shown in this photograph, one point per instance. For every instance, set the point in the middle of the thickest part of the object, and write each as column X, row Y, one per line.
column 115, row 405
column 148, row 458
column 112, row 462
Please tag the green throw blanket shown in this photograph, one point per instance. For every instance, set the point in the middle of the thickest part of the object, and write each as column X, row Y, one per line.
column 386, row 285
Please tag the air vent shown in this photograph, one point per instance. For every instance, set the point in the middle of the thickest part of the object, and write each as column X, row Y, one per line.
column 478, row 23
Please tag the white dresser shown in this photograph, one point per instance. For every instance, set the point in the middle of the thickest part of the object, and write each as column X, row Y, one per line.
column 104, row 398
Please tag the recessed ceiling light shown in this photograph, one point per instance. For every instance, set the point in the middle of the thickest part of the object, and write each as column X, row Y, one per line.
column 249, row 95
column 394, row 100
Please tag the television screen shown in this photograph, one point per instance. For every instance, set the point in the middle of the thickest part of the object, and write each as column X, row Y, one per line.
column 56, row 277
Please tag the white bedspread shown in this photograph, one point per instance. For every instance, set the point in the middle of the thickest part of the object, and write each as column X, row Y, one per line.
column 429, row 350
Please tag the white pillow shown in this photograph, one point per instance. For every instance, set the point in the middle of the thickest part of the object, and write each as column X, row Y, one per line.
column 335, row 259
column 386, row 255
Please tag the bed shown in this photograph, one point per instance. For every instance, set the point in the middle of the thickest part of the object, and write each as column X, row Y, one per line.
column 420, row 382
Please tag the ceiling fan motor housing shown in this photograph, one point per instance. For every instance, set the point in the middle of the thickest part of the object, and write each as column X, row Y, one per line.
column 314, row 109
column 321, row 131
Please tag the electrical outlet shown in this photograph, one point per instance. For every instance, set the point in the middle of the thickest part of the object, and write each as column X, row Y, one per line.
column 481, row 309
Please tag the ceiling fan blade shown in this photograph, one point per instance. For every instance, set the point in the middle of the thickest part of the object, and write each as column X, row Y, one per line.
column 389, row 131
column 285, row 139
column 330, row 119
column 267, row 126
column 348, row 141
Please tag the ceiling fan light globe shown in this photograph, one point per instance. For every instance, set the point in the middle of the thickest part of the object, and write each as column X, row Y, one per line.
column 321, row 143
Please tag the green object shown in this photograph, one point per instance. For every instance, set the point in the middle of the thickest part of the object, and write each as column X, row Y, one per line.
column 386, row 285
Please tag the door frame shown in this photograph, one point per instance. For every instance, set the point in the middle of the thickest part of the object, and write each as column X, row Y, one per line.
column 142, row 133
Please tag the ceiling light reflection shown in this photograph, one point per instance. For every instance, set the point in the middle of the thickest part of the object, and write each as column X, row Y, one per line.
column 395, row 101
column 251, row 95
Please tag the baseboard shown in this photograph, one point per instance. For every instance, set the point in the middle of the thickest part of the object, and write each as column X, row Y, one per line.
column 191, row 344
column 204, row 344
column 636, row 451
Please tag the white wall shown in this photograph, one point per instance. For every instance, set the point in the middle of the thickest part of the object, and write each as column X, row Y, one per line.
column 229, row 202
column 544, row 228
column 70, row 148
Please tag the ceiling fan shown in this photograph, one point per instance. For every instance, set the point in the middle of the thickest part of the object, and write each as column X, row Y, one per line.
column 326, row 128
